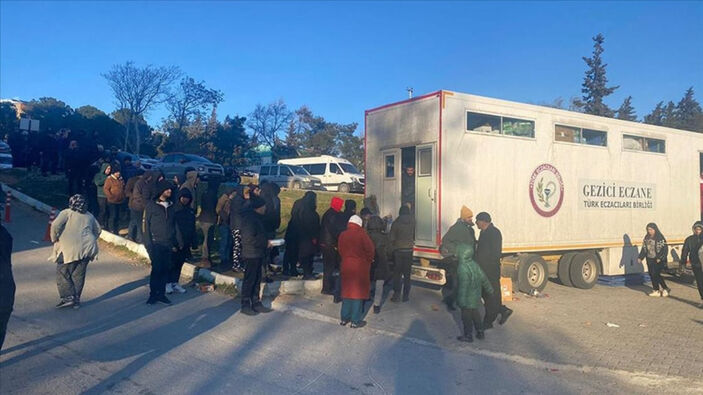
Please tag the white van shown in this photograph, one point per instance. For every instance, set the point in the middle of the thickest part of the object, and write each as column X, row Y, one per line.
column 337, row 174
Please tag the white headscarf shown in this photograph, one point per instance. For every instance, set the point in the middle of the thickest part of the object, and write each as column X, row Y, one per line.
column 355, row 219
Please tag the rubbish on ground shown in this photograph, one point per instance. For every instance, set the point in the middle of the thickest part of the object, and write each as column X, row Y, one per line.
column 587, row 323
column 611, row 325
column 434, row 307
column 642, row 325
column 205, row 287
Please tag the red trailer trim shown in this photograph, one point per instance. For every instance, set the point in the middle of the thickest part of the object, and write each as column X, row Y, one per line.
column 404, row 101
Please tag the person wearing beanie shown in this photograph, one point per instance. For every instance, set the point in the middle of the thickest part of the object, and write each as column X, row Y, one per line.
column 462, row 232
column 191, row 184
column 402, row 241
column 489, row 249
column 357, row 252
column 160, row 240
column 184, row 218
column 332, row 226
column 115, row 195
column 254, row 245
column 689, row 253
column 349, row 209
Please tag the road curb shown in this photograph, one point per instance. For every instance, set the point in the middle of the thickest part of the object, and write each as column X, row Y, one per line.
column 288, row 287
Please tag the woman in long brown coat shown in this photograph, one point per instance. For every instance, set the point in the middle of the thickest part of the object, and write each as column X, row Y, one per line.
column 357, row 252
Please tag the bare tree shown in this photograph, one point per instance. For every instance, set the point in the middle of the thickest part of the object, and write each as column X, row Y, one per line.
column 190, row 100
column 138, row 90
column 268, row 122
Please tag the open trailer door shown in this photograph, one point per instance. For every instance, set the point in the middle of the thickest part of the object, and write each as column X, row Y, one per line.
column 426, row 196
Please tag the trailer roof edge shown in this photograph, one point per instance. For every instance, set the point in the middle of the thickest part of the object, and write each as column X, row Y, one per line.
column 432, row 94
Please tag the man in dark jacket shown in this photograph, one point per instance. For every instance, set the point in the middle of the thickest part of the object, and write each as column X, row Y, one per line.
column 488, row 252
column 408, row 188
column 462, row 232
column 332, row 226
column 207, row 219
column 185, row 236
column 140, row 195
column 254, row 244
column 402, row 240
column 689, row 252
column 74, row 168
column 134, row 231
column 272, row 221
column 160, row 241
column 7, row 282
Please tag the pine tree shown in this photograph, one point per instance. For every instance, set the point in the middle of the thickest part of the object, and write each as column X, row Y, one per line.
column 656, row 117
column 670, row 118
column 626, row 111
column 688, row 112
column 595, row 82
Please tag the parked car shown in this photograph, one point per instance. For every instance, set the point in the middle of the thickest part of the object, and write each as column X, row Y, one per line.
column 177, row 164
column 337, row 174
column 289, row 176
column 5, row 156
column 148, row 162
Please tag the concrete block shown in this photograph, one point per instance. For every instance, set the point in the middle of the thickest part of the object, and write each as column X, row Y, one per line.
column 294, row 287
column 189, row 270
column 312, row 287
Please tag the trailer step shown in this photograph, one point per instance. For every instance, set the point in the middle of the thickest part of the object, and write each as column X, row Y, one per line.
column 624, row 280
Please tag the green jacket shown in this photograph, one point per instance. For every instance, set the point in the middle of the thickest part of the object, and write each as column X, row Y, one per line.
column 459, row 233
column 99, row 180
column 472, row 280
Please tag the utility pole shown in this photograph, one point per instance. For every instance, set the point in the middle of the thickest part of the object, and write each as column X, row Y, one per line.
column 410, row 92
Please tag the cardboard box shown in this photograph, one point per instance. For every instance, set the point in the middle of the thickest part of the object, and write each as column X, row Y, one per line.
column 506, row 289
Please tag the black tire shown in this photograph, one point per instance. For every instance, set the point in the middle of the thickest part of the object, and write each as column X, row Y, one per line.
column 584, row 270
column 533, row 274
column 563, row 268
column 344, row 188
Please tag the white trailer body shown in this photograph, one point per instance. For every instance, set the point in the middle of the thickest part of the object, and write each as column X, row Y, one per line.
column 555, row 182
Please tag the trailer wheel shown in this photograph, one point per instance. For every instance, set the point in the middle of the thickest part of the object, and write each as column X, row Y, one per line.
column 564, row 268
column 532, row 274
column 343, row 188
column 584, row 270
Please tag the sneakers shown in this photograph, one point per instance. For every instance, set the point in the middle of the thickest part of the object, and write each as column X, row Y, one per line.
column 376, row 309
column 260, row 308
column 665, row 293
column 65, row 303
column 359, row 324
column 169, row 288
column 504, row 316
column 343, row 323
column 151, row 300
column 466, row 339
column 247, row 310
column 177, row 288
column 655, row 293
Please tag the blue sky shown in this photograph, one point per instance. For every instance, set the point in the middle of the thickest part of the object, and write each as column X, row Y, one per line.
column 341, row 58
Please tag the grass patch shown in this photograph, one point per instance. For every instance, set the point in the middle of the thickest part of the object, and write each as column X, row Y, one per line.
column 124, row 252
column 51, row 190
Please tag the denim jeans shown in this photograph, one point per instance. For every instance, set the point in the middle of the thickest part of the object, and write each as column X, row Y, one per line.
column 135, row 225
column 160, row 257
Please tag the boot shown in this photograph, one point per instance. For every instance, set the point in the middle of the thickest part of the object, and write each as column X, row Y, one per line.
column 260, row 308
column 247, row 308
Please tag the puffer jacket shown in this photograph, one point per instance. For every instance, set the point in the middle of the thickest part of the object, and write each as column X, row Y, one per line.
column 472, row 280
column 402, row 235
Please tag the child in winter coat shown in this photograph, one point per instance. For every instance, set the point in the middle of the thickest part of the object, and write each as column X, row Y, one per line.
column 185, row 235
column 472, row 280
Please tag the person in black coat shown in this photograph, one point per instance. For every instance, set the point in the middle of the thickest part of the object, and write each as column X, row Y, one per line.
column 291, row 253
column 208, row 218
column 307, row 222
column 7, row 282
column 488, row 252
column 379, row 268
column 254, row 244
column 185, row 236
column 349, row 210
column 331, row 227
column 160, row 241
column 236, row 205
column 272, row 220
column 402, row 241
column 654, row 251
column 689, row 252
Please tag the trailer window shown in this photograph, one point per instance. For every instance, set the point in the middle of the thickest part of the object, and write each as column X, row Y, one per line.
column 425, row 162
column 572, row 134
column 484, row 123
column 390, row 166
column 638, row 143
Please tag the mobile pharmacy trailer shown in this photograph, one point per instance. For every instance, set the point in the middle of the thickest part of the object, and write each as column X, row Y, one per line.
column 571, row 192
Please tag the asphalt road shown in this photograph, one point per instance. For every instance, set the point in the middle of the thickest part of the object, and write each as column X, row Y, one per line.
column 117, row 344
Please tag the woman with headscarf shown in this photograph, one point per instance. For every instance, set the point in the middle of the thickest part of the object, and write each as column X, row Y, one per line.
column 307, row 222
column 75, row 234
column 654, row 251
column 357, row 252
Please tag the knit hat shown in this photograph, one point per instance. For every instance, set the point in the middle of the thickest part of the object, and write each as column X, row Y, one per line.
column 161, row 186
column 483, row 216
column 466, row 213
column 698, row 224
column 355, row 219
column 256, row 202
column 337, row 204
